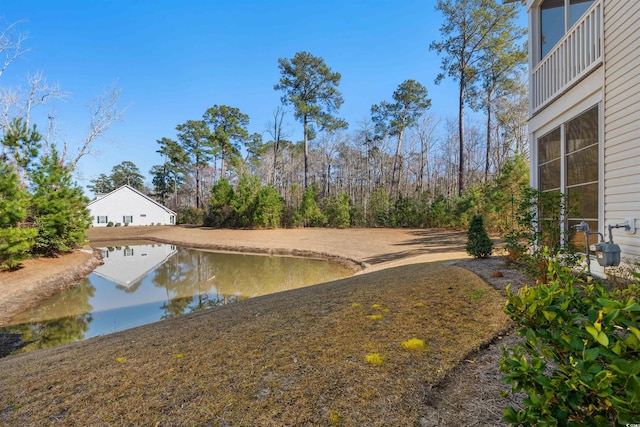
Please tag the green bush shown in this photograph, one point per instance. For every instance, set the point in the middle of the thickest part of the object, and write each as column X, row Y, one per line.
column 337, row 211
column 15, row 244
column 269, row 207
column 110, row 224
column 220, row 211
column 379, row 209
column 310, row 212
column 192, row 216
column 48, row 242
column 578, row 363
column 244, row 200
column 479, row 245
column 537, row 236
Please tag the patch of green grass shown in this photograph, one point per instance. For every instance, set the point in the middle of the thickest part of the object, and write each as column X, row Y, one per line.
column 375, row 359
column 476, row 295
column 414, row 344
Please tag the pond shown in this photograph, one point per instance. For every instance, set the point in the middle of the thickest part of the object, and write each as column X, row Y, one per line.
column 141, row 284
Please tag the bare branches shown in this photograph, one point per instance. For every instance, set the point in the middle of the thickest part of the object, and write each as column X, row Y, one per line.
column 11, row 47
column 39, row 91
column 104, row 112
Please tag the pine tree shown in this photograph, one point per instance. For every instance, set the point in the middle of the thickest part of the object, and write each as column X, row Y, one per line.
column 58, row 207
column 220, row 210
column 269, row 207
column 309, row 209
column 479, row 245
column 15, row 242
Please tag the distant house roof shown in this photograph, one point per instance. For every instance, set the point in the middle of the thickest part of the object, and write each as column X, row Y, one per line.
column 104, row 196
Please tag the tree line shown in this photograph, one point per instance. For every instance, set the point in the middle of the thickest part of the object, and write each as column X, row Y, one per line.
column 400, row 158
column 399, row 167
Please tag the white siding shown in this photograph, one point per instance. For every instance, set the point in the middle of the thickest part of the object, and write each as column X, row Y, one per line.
column 622, row 119
column 125, row 201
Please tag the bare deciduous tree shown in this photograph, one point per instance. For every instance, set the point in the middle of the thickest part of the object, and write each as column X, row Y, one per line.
column 276, row 131
column 104, row 112
column 11, row 45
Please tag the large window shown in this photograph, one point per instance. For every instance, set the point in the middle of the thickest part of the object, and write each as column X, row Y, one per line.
column 102, row 219
column 568, row 161
column 556, row 17
column 127, row 219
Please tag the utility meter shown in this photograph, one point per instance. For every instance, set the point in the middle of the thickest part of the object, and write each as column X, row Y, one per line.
column 608, row 254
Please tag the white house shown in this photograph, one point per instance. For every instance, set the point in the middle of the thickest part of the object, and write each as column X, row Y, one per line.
column 128, row 206
column 584, row 110
column 129, row 264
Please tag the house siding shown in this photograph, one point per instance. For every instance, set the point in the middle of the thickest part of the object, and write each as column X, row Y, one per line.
column 622, row 119
column 125, row 201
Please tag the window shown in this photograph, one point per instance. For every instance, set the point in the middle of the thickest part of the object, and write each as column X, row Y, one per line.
column 102, row 219
column 128, row 251
column 571, row 152
column 556, row 17
column 172, row 219
column 127, row 219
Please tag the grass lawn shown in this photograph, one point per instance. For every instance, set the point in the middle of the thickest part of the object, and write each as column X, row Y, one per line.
column 358, row 351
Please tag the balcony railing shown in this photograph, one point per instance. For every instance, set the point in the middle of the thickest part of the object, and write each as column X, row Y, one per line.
column 576, row 55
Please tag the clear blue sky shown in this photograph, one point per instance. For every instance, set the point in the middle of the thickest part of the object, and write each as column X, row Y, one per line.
column 174, row 59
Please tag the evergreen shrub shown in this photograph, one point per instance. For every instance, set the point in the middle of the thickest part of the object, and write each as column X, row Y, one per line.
column 192, row 216
column 479, row 245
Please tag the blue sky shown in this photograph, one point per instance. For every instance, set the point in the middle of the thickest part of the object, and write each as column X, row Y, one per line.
column 174, row 59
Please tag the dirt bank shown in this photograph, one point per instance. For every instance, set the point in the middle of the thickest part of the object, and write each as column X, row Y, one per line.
column 373, row 248
column 368, row 249
column 42, row 277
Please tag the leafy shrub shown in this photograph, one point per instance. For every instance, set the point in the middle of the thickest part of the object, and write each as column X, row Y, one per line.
column 290, row 217
column 48, row 241
column 479, row 245
column 356, row 214
column 310, row 213
column 193, row 216
column 578, row 363
column 503, row 194
column 110, row 224
column 379, row 209
column 537, row 235
column 337, row 211
column 440, row 212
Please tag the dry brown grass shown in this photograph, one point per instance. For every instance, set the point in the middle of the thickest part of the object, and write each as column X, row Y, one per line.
column 295, row 358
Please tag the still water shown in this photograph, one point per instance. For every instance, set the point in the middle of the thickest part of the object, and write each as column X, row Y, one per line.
column 145, row 283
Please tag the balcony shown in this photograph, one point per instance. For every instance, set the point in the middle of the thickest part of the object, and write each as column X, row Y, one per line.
column 576, row 55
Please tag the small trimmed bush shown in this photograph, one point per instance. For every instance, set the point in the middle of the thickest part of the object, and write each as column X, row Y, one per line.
column 479, row 245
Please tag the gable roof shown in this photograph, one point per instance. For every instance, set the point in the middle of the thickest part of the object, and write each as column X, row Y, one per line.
column 136, row 192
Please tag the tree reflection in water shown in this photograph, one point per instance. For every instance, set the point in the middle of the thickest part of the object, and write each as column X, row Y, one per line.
column 53, row 326
column 140, row 284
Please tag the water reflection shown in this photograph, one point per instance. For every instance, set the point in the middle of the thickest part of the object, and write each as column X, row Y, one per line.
column 145, row 283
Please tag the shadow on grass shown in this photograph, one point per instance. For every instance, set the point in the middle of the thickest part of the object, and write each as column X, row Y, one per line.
column 425, row 242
